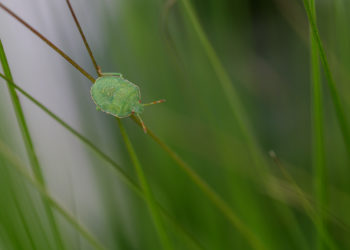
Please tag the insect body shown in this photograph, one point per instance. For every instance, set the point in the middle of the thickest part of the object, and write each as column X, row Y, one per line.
column 118, row 97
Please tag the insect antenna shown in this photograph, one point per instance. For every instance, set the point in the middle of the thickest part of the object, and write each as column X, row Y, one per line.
column 155, row 102
column 97, row 68
column 142, row 123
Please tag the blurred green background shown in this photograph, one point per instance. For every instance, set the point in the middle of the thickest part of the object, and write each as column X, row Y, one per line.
column 223, row 128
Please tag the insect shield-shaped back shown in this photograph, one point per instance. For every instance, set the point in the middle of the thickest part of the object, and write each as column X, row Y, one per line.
column 115, row 95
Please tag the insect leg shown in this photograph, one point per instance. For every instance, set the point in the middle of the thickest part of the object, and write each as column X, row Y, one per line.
column 155, row 102
column 99, row 71
column 142, row 124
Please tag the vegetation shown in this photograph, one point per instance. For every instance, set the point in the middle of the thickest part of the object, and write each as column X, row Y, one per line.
column 250, row 151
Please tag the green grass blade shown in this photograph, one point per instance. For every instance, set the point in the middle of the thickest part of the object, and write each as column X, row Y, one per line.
column 120, row 172
column 21, row 216
column 330, row 80
column 34, row 162
column 20, row 168
column 209, row 192
column 307, row 205
column 318, row 139
column 23, row 202
column 230, row 92
column 146, row 189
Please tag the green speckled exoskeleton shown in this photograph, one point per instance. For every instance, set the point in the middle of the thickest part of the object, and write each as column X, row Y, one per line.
column 116, row 96
column 111, row 93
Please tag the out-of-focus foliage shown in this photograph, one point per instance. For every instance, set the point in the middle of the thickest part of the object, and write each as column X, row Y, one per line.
column 263, row 46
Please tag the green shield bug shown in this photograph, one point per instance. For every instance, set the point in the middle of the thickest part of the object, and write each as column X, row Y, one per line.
column 117, row 96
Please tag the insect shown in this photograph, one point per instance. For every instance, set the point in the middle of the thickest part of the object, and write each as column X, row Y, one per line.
column 111, row 93
column 117, row 96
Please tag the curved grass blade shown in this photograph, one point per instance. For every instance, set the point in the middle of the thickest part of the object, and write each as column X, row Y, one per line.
column 146, row 189
column 318, row 162
column 226, row 84
column 21, row 195
column 20, row 168
column 209, row 192
column 344, row 127
column 11, row 187
column 121, row 173
column 34, row 162
column 309, row 209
